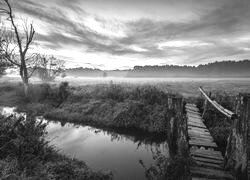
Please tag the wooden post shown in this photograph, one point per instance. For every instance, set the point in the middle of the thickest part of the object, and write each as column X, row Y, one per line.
column 177, row 127
column 237, row 152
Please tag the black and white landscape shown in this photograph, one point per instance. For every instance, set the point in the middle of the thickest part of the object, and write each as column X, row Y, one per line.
column 123, row 90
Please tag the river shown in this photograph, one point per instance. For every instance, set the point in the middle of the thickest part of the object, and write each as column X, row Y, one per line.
column 102, row 149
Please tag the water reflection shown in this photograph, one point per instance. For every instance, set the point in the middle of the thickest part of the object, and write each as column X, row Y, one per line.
column 102, row 149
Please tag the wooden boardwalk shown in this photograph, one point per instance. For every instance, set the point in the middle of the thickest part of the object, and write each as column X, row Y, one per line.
column 208, row 162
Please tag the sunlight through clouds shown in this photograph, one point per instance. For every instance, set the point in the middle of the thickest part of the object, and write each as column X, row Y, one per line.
column 184, row 32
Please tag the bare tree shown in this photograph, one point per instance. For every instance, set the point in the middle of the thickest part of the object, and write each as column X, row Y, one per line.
column 15, row 45
column 49, row 68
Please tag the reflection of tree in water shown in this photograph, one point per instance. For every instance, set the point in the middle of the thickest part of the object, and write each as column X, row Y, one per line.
column 161, row 158
column 166, row 167
column 137, row 136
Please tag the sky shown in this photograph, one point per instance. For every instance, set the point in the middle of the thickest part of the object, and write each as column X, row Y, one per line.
column 119, row 34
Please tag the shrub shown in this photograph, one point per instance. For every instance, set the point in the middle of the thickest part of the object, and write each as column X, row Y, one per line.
column 23, row 139
column 63, row 91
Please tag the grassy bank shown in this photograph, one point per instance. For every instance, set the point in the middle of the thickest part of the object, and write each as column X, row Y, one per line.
column 133, row 107
column 25, row 154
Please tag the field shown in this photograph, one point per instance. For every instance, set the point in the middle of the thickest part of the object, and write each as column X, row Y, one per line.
column 118, row 103
column 188, row 87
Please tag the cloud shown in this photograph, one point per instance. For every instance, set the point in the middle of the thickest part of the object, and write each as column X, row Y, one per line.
column 166, row 31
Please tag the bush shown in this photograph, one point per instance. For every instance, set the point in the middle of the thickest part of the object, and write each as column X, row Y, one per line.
column 24, row 140
column 63, row 92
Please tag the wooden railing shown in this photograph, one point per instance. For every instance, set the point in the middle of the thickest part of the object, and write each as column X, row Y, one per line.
column 237, row 155
column 224, row 111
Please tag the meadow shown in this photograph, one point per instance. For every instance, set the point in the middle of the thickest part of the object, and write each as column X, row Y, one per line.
column 118, row 104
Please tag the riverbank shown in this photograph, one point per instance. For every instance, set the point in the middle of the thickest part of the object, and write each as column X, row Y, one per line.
column 123, row 108
column 143, row 108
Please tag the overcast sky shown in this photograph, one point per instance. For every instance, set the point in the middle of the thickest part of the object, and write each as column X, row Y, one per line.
column 111, row 34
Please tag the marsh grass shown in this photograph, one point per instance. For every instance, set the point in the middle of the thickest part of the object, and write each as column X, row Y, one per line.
column 143, row 107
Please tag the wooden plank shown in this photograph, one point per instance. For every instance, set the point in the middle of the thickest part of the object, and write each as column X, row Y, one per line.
column 208, row 160
column 208, row 156
column 192, row 111
column 193, row 115
column 196, row 125
column 191, row 106
column 201, row 139
column 196, row 119
column 201, row 143
column 198, row 129
column 198, row 132
column 196, row 135
column 203, row 151
column 196, row 122
column 209, row 165
column 210, row 173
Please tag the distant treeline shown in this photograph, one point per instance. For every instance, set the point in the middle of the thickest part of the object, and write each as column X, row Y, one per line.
column 215, row 69
column 88, row 72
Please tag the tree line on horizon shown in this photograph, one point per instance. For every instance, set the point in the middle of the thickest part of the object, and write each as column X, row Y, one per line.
column 214, row 69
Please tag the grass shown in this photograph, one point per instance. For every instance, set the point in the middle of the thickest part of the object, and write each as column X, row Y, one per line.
column 25, row 154
column 139, row 107
column 134, row 107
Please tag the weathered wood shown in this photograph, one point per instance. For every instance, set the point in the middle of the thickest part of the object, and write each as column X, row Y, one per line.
column 210, row 173
column 202, row 143
column 197, row 125
column 190, row 124
column 194, row 115
column 201, row 139
column 209, row 160
column 198, row 129
column 224, row 111
column 208, row 163
column 208, row 154
column 237, row 152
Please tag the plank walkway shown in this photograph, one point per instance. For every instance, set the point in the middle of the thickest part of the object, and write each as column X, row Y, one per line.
column 208, row 162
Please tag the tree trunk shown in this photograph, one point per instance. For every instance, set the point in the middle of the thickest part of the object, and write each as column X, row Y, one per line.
column 25, row 80
column 26, row 88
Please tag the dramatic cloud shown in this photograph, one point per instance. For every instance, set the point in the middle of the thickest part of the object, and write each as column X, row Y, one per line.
column 119, row 34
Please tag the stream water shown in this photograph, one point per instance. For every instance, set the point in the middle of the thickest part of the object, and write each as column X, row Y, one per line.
column 102, row 149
